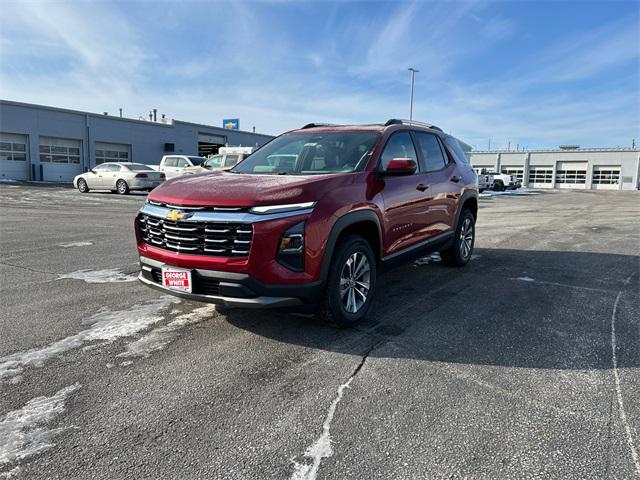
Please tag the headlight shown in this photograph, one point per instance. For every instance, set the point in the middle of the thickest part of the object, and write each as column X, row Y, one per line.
column 291, row 248
column 292, row 207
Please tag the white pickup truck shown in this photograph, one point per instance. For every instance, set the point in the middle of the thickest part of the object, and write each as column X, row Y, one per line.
column 498, row 182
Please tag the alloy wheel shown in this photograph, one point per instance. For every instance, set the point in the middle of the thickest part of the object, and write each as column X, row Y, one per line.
column 466, row 238
column 355, row 282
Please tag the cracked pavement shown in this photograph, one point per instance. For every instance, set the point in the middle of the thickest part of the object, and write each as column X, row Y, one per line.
column 502, row 369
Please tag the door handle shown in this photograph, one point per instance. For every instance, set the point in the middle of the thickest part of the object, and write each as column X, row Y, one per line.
column 422, row 187
column 455, row 178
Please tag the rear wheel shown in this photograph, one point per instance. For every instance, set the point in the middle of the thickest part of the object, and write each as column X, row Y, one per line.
column 122, row 187
column 351, row 282
column 82, row 186
column 498, row 186
column 460, row 252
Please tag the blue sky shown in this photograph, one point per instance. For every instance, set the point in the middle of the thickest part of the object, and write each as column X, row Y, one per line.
column 537, row 74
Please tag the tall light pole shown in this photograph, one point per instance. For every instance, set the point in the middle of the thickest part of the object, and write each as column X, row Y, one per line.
column 413, row 74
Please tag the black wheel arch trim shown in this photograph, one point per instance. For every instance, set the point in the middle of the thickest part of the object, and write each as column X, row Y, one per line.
column 339, row 226
column 468, row 194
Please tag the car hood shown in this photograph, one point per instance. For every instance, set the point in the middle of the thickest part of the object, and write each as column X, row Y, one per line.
column 244, row 190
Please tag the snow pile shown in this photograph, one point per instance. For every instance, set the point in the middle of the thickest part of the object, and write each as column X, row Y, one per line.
column 109, row 275
column 8, row 180
column 526, row 279
column 22, row 432
column 106, row 326
column 428, row 260
column 160, row 337
column 76, row 244
column 520, row 191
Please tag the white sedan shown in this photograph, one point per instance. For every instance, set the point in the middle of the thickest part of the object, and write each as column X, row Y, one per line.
column 119, row 177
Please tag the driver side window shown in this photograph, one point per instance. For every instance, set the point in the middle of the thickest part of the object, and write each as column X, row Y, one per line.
column 399, row 145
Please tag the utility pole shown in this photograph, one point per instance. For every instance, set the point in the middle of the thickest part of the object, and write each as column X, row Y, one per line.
column 413, row 74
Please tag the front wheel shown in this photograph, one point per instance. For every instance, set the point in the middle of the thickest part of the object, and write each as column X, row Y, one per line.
column 122, row 187
column 82, row 186
column 351, row 282
column 460, row 252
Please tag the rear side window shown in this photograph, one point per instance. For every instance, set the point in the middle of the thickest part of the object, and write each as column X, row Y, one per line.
column 432, row 154
column 453, row 144
column 399, row 145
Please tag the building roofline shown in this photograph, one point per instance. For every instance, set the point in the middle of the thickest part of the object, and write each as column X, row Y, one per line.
column 123, row 119
column 560, row 150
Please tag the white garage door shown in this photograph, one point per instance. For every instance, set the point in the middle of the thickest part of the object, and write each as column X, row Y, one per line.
column 61, row 158
column 112, row 152
column 14, row 157
column 606, row 178
column 571, row 175
column 541, row 177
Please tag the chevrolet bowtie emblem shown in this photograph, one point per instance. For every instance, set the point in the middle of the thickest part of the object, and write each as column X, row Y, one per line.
column 175, row 215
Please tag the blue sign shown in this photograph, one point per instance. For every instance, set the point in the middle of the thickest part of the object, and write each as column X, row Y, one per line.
column 231, row 123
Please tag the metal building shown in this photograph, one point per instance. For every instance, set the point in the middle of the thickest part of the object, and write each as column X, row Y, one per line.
column 55, row 144
column 566, row 167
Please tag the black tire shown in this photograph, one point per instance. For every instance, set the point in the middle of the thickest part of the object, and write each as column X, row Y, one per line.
column 122, row 187
column 498, row 186
column 352, row 249
column 82, row 186
column 459, row 254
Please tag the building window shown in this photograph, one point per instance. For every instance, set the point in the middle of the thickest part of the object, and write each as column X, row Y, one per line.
column 575, row 177
column 59, row 150
column 518, row 172
column 606, row 176
column 13, row 151
column 541, row 175
column 112, row 152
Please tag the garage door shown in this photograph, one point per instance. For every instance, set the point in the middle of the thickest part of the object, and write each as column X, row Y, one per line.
column 606, row 178
column 14, row 157
column 571, row 175
column 112, row 152
column 541, row 177
column 61, row 158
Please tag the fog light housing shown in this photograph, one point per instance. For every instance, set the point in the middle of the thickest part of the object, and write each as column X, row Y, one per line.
column 291, row 248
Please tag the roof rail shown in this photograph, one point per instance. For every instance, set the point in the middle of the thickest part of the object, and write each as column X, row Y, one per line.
column 400, row 121
column 313, row 125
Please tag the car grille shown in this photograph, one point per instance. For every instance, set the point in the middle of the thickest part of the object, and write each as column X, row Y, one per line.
column 198, row 238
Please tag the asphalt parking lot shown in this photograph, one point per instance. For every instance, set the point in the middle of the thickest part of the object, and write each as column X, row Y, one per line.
column 502, row 369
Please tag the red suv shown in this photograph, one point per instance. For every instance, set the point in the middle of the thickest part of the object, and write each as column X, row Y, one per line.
column 310, row 218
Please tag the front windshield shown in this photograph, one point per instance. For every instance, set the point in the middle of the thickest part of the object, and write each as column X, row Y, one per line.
column 311, row 153
column 197, row 161
column 214, row 162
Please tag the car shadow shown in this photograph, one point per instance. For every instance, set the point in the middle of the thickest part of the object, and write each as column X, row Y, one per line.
column 514, row 308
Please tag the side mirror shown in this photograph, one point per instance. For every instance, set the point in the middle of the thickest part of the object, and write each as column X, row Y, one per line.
column 92, row 170
column 401, row 166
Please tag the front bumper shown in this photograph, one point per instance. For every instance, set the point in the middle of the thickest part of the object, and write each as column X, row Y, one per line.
column 232, row 289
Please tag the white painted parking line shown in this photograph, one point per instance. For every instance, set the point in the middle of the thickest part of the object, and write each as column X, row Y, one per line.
column 616, row 376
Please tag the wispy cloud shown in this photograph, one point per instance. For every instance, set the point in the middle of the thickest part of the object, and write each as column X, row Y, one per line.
column 486, row 70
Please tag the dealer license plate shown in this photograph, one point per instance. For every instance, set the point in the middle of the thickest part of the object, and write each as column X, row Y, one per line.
column 177, row 279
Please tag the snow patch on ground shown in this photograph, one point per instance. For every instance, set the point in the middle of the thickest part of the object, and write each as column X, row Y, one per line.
column 109, row 275
column 76, row 244
column 526, row 279
column 160, row 337
column 322, row 446
column 8, row 180
column 428, row 260
column 106, row 326
column 13, row 473
column 23, row 433
column 512, row 193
